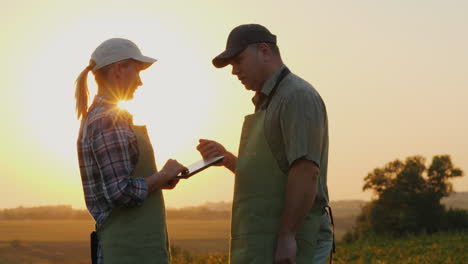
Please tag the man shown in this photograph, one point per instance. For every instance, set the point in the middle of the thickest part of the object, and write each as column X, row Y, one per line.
column 281, row 171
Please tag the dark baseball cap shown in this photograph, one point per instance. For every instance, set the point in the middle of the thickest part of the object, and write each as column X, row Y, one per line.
column 241, row 37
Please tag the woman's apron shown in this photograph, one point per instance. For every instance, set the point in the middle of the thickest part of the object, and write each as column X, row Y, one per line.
column 137, row 234
column 259, row 197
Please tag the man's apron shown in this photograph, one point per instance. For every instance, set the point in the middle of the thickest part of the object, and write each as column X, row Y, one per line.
column 137, row 234
column 259, row 197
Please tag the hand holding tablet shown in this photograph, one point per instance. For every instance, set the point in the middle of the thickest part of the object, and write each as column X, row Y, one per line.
column 199, row 166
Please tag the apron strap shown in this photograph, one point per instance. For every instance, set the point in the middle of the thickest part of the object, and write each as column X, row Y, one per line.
column 282, row 75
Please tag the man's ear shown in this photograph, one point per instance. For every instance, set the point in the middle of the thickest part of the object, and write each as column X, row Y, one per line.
column 265, row 51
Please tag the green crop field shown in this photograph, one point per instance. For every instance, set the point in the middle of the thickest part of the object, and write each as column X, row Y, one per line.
column 441, row 248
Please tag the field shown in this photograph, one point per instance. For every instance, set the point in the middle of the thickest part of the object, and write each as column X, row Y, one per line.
column 205, row 241
column 67, row 241
column 441, row 248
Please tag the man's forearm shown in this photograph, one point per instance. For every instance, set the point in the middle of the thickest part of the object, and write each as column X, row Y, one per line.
column 300, row 195
column 230, row 161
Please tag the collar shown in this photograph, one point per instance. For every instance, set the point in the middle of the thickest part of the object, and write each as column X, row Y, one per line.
column 270, row 83
column 111, row 106
column 260, row 96
column 103, row 101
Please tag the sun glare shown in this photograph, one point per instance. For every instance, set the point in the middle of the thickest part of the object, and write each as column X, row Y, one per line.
column 174, row 102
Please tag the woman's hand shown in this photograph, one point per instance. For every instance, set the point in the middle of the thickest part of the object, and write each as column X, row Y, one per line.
column 173, row 168
column 167, row 177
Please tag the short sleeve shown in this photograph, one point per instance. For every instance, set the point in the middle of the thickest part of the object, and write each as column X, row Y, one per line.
column 303, row 126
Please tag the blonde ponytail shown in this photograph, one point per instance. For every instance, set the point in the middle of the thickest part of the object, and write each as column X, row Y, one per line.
column 81, row 91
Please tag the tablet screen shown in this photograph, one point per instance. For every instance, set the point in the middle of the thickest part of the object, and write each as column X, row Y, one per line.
column 200, row 165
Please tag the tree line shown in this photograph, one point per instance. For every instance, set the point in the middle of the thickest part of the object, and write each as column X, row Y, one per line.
column 49, row 212
column 66, row 212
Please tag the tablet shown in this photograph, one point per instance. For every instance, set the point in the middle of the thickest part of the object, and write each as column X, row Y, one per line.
column 199, row 166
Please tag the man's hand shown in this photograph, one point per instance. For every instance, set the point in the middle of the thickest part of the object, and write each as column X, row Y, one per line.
column 286, row 248
column 210, row 149
column 300, row 197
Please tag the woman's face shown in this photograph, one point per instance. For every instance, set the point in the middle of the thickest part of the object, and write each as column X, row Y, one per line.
column 129, row 79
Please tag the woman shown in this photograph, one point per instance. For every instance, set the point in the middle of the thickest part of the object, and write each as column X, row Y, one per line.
column 121, row 184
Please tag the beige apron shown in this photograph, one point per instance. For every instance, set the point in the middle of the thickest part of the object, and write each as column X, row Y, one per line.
column 137, row 234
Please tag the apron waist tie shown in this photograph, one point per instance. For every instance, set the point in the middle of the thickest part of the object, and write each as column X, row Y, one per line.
column 328, row 209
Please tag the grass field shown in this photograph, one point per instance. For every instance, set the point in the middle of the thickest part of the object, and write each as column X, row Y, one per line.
column 205, row 242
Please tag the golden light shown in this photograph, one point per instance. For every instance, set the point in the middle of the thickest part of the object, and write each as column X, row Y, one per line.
column 382, row 87
column 180, row 100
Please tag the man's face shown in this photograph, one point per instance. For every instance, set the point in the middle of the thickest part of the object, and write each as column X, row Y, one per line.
column 247, row 67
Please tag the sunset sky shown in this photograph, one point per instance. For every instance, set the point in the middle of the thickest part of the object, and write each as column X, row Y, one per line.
column 393, row 75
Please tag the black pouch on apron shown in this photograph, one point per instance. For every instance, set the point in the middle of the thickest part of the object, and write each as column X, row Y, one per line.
column 94, row 247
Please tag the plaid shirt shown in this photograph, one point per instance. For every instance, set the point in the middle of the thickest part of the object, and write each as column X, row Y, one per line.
column 107, row 155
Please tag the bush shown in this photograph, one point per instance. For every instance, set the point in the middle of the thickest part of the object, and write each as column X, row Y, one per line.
column 456, row 220
column 350, row 236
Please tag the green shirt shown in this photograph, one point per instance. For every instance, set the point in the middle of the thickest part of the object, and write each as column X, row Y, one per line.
column 296, row 125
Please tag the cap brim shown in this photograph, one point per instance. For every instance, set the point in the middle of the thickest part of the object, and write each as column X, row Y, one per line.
column 223, row 59
column 147, row 61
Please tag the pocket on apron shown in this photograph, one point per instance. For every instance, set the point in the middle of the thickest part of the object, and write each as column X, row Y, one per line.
column 305, row 250
column 307, row 238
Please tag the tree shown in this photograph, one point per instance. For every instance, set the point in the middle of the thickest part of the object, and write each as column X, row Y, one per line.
column 407, row 196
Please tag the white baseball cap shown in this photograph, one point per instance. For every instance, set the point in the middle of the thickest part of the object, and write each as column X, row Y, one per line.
column 117, row 49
